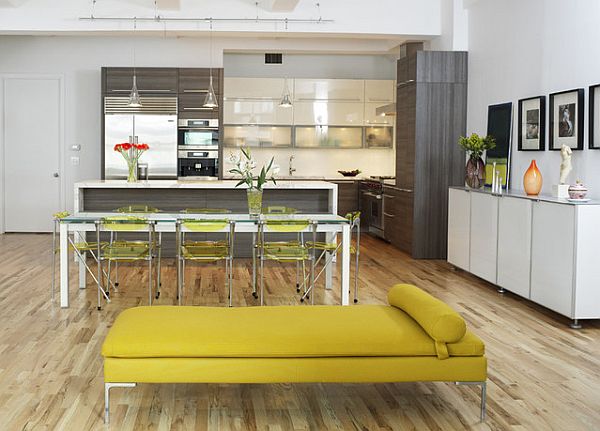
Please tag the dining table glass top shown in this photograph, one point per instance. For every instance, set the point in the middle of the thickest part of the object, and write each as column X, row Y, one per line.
column 165, row 217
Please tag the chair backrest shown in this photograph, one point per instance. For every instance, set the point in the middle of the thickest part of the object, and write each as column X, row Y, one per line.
column 280, row 209
column 125, row 223
column 205, row 225
column 205, row 211
column 60, row 215
column 285, row 225
column 137, row 208
column 354, row 218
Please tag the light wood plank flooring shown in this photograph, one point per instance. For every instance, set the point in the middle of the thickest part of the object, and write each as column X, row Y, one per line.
column 542, row 374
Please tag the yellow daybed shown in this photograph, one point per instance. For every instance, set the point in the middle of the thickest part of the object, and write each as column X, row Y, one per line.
column 415, row 338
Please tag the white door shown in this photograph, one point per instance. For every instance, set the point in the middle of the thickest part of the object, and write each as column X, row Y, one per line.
column 484, row 236
column 459, row 228
column 552, row 256
column 514, row 245
column 32, row 139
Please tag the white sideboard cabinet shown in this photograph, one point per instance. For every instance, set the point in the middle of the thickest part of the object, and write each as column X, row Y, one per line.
column 541, row 248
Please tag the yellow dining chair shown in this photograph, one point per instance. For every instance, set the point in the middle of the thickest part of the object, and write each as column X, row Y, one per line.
column 127, row 251
column 138, row 209
column 329, row 250
column 285, row 251
column 80, row 247
column 204, row 251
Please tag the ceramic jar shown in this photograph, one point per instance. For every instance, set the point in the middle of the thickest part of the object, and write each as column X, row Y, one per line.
column 577, row 191
column 532, row 180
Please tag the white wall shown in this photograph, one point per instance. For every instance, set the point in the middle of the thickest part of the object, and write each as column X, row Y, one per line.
column 523, row 48
column 323, row 162
column 348, row 66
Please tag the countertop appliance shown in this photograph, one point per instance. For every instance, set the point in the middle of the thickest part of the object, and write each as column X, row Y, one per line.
column 198, row 148
column 154, row 123
column 373, row 203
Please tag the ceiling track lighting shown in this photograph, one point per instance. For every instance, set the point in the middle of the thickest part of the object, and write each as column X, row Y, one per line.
column 158, row 18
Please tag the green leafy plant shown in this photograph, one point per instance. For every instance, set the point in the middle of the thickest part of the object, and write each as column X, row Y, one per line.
column 244, row 167
column 476, row 144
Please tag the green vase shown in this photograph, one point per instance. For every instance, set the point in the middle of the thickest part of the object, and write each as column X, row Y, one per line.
column 132, row 176
column 254, row 202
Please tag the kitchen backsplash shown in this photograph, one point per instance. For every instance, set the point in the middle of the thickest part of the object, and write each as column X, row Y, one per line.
column 322, row 162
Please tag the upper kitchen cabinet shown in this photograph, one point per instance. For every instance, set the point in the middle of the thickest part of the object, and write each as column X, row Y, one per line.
column 340, row 90
column 197, row 80
column 150, row 80
column 253, row 112
column 328, row 113
column 380, row 90
column 371, row 117
column 407, row 64
column 255, row 88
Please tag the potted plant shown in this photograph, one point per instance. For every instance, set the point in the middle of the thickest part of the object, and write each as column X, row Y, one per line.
column 475, row 145
column 244, row 167
column 131, row 153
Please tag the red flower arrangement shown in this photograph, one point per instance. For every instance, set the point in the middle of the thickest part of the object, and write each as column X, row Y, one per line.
column 131, row 153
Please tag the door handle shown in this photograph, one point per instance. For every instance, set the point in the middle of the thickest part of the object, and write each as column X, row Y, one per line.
column 55, row 175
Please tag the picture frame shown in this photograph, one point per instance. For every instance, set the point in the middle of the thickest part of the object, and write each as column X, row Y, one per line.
column 594, row 117
column 566, row 119
column 532, row 124
column 499, row 126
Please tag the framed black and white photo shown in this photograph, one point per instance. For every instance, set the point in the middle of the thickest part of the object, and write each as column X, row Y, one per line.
column 594, row 98
column 566, row 119
column 532, row 124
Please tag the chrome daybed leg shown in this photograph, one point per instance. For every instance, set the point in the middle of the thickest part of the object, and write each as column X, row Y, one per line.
column 483, row 396
column 107, row 388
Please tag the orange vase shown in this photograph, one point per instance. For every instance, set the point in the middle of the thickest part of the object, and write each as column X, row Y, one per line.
column 532, row 180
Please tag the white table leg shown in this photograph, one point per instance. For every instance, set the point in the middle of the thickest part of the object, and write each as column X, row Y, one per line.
column 64, row 266
column 345, row 294
column 330, row 237
column 82, row 271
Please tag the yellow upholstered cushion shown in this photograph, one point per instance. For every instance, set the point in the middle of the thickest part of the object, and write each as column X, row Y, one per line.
column 273, row 332
column 440, row 321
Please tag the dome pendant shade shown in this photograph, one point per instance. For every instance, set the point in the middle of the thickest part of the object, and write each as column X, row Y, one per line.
column 211, row 98
column 134, row 96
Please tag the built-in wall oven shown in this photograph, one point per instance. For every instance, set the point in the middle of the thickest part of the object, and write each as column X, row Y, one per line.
column 198, row 148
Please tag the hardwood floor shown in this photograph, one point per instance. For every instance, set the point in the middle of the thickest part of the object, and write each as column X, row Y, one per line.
column 542, row 374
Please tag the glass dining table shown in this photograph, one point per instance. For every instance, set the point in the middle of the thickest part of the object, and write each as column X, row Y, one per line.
column 330, row 224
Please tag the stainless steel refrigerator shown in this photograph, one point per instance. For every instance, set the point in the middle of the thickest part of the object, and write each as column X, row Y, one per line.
column 154, row 123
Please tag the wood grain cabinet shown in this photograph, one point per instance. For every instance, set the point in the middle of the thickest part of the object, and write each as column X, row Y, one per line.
column 431, row 102
column 398, row 217
column 197, row 80
column 150, row 80
column 347, row 197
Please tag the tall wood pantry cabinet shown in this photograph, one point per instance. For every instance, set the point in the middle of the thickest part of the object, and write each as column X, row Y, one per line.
column 430, row 117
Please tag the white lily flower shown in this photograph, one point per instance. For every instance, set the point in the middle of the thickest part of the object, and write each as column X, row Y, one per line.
column 276, row 169
column 234, row 159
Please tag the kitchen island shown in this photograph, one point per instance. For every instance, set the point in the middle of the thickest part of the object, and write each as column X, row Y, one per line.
column 314, row 197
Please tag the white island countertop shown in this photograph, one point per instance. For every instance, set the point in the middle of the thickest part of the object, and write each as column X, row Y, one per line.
column 197, row 184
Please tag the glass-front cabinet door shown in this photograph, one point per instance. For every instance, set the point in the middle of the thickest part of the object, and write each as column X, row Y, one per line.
column 379, row 137
column 328, row 137
column 257, row 136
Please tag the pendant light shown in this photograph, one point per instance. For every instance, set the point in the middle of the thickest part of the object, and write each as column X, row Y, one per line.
column 286, row 100
column 134, row 96
column 211, row 98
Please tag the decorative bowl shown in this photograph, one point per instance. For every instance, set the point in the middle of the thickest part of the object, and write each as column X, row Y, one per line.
column 577, row 191
column 353, row 173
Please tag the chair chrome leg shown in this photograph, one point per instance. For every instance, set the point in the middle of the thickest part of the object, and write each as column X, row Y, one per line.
column 158, row 276
column 262, row 279
column 254, row 245
column 483, row 408
column 150, row 281
column 107, row 388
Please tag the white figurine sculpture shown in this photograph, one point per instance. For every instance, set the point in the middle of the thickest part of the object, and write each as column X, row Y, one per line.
column 565, row 164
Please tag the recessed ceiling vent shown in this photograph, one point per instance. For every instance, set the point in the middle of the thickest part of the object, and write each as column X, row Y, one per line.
column 271, row 58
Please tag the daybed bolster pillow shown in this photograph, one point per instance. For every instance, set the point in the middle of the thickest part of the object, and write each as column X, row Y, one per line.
column 439, row 320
